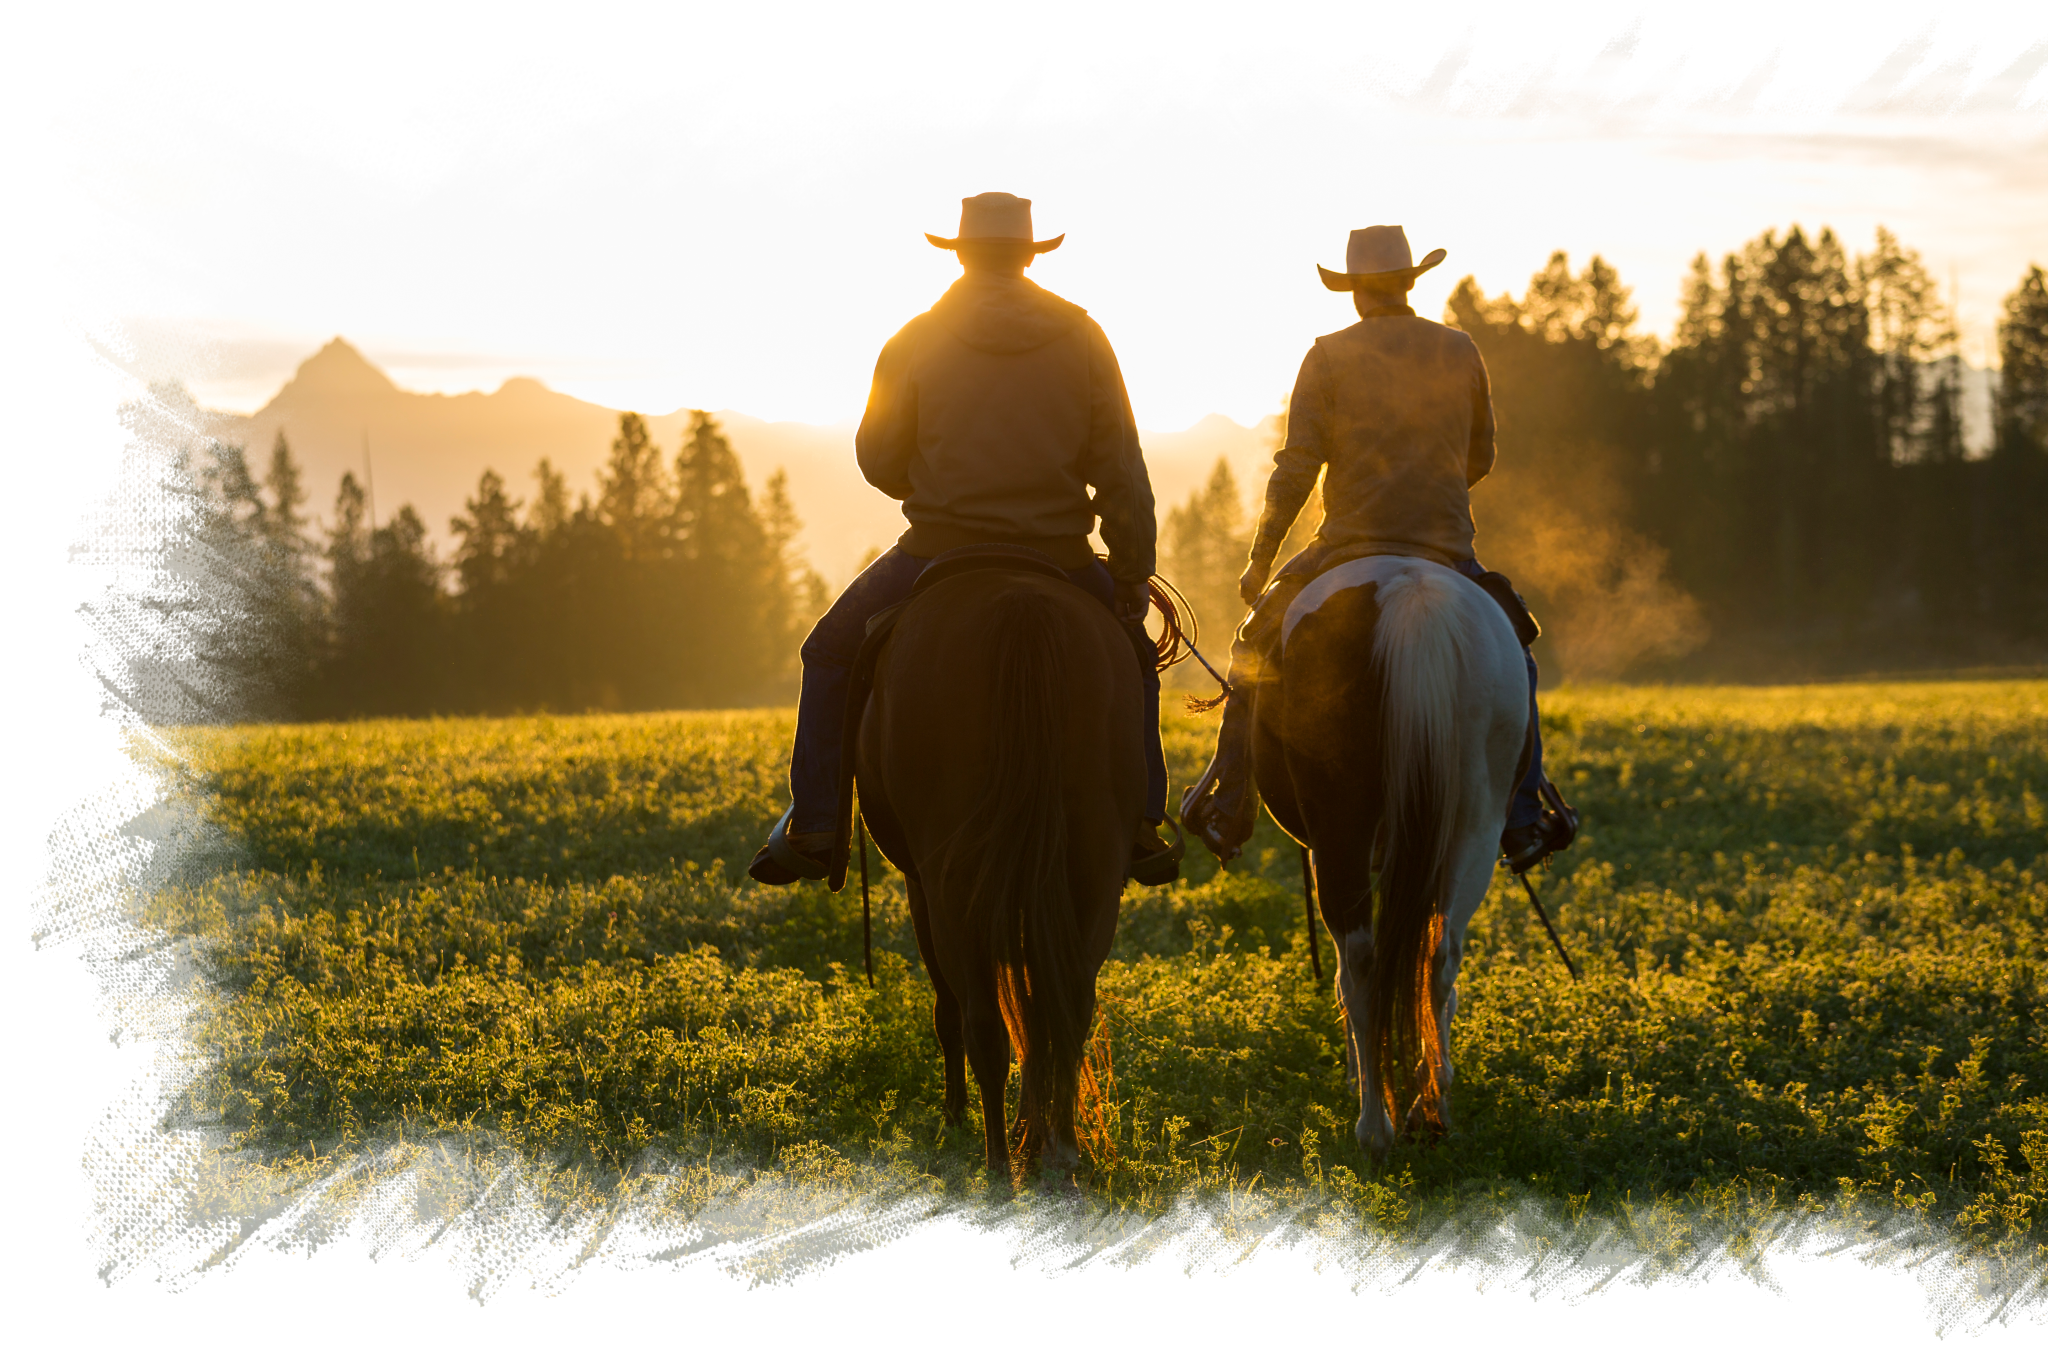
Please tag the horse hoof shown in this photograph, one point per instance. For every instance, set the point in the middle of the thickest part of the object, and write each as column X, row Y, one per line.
column 1377, row 1139
column 1064, row 1186
column 1422, row 1127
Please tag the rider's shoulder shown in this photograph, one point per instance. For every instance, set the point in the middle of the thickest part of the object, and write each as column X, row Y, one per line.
column 1374, row 327
column 1416, row 334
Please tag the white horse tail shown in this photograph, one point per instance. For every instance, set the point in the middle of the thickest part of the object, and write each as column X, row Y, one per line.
column 1419, row 647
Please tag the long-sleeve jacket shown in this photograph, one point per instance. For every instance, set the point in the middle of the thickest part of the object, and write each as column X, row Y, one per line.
column 1398, row 408
column 991, row 417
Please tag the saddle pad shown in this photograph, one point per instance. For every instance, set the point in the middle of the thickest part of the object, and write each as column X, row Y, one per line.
column 991, row 555
column 1352, row 573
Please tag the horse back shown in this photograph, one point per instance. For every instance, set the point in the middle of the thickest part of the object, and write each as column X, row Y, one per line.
column 929, row 738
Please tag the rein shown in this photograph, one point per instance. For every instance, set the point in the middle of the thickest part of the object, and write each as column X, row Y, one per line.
column 867, row 918
column 1554, row 939
column 1308, row 897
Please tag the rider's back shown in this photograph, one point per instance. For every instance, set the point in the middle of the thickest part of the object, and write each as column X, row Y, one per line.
column 992, row 415
column 1398, row 408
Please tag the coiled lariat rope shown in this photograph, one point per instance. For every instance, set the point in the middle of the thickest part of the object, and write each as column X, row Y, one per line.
column 1178, row 631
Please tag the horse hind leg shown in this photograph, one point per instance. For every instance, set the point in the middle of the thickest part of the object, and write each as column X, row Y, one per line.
column 1423, row 1123
column 1375, row 1130
column 988, row 1052
column 1059, row 1148
column 947, row 1021
column 1450, row 952
column 1473, row 864
column 1057, row 1151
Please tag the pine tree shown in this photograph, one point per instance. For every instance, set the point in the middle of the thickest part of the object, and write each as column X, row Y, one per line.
column 1766, row 397
column 2016, row 574
column 620, row 588
column 633, row 497
column 291, row 598
column 557, row 656
column 205, row 647
column 1909, row 328
column 492, row 574
column 2023, row 364
column 728, row 574
column 797, row 595
column 389, row 654
column 1203, row 548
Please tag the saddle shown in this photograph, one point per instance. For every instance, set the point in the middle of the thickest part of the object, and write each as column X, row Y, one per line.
column 861, row 682
column 1504, row 595
column 1263, row 628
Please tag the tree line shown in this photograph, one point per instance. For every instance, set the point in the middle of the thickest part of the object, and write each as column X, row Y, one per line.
column 673, row 587
column 1783, row 490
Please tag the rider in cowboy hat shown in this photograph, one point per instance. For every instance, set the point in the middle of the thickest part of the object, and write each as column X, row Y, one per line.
column 991, row 417
column 1398, row 410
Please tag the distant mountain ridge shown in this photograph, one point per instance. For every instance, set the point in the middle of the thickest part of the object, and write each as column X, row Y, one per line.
column 339, row 413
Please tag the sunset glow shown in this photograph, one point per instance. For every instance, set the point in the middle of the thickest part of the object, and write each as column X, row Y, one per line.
column 726, row 210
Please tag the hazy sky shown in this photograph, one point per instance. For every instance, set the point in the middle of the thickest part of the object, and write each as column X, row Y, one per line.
column 724, row 206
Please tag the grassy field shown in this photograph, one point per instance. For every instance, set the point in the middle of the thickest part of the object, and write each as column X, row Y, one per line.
column 1810, row 921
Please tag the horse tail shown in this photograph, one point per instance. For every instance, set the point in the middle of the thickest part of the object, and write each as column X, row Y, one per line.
column 1416, row 655
column 1019, row 836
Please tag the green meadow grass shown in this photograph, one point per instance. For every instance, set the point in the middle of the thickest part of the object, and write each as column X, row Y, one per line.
column 1810, row 922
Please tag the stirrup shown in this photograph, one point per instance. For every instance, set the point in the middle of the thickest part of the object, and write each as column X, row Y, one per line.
column 1162, row 867
column 1552, row 833
column 1204, row 813
column 779, row 864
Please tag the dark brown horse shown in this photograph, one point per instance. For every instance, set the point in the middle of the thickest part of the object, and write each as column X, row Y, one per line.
column 999, row 767
column 1394, row 742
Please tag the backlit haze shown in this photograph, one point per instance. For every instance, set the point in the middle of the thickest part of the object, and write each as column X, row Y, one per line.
column 706, row 207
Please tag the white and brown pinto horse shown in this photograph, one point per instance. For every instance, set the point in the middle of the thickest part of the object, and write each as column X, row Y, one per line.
column 1399, row 735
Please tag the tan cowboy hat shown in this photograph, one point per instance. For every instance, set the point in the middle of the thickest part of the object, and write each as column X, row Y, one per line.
column 1378, row 256
column 994, row 218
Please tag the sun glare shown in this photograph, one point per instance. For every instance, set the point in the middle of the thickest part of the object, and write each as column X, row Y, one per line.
column 646, row 258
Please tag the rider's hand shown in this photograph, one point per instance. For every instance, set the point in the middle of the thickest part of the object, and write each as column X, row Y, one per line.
column 1253, row 583
column 1133, row 600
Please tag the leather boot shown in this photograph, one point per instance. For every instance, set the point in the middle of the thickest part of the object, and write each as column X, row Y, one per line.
column 1524, row 846
column 788, row 857
column 1223, row 805
column 1154, row 862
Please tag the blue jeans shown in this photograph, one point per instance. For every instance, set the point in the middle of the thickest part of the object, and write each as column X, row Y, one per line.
column 828, row 656
column 1527, row 807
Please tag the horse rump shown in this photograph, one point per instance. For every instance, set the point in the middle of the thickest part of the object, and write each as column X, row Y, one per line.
column 1021, row 890
column 1416, row 665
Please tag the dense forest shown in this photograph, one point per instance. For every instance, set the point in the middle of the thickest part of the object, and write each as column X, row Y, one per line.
column 1781, row 492
column 673, row 587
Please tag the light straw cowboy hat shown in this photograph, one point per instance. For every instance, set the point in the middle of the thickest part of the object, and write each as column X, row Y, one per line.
column 1378, row 256
column 995, row 218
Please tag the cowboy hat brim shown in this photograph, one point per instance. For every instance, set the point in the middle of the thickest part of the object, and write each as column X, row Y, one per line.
column 1344, row 284
column 955, row 243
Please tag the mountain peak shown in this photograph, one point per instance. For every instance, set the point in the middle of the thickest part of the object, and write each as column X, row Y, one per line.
column 166, row 395
column 339, row 368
